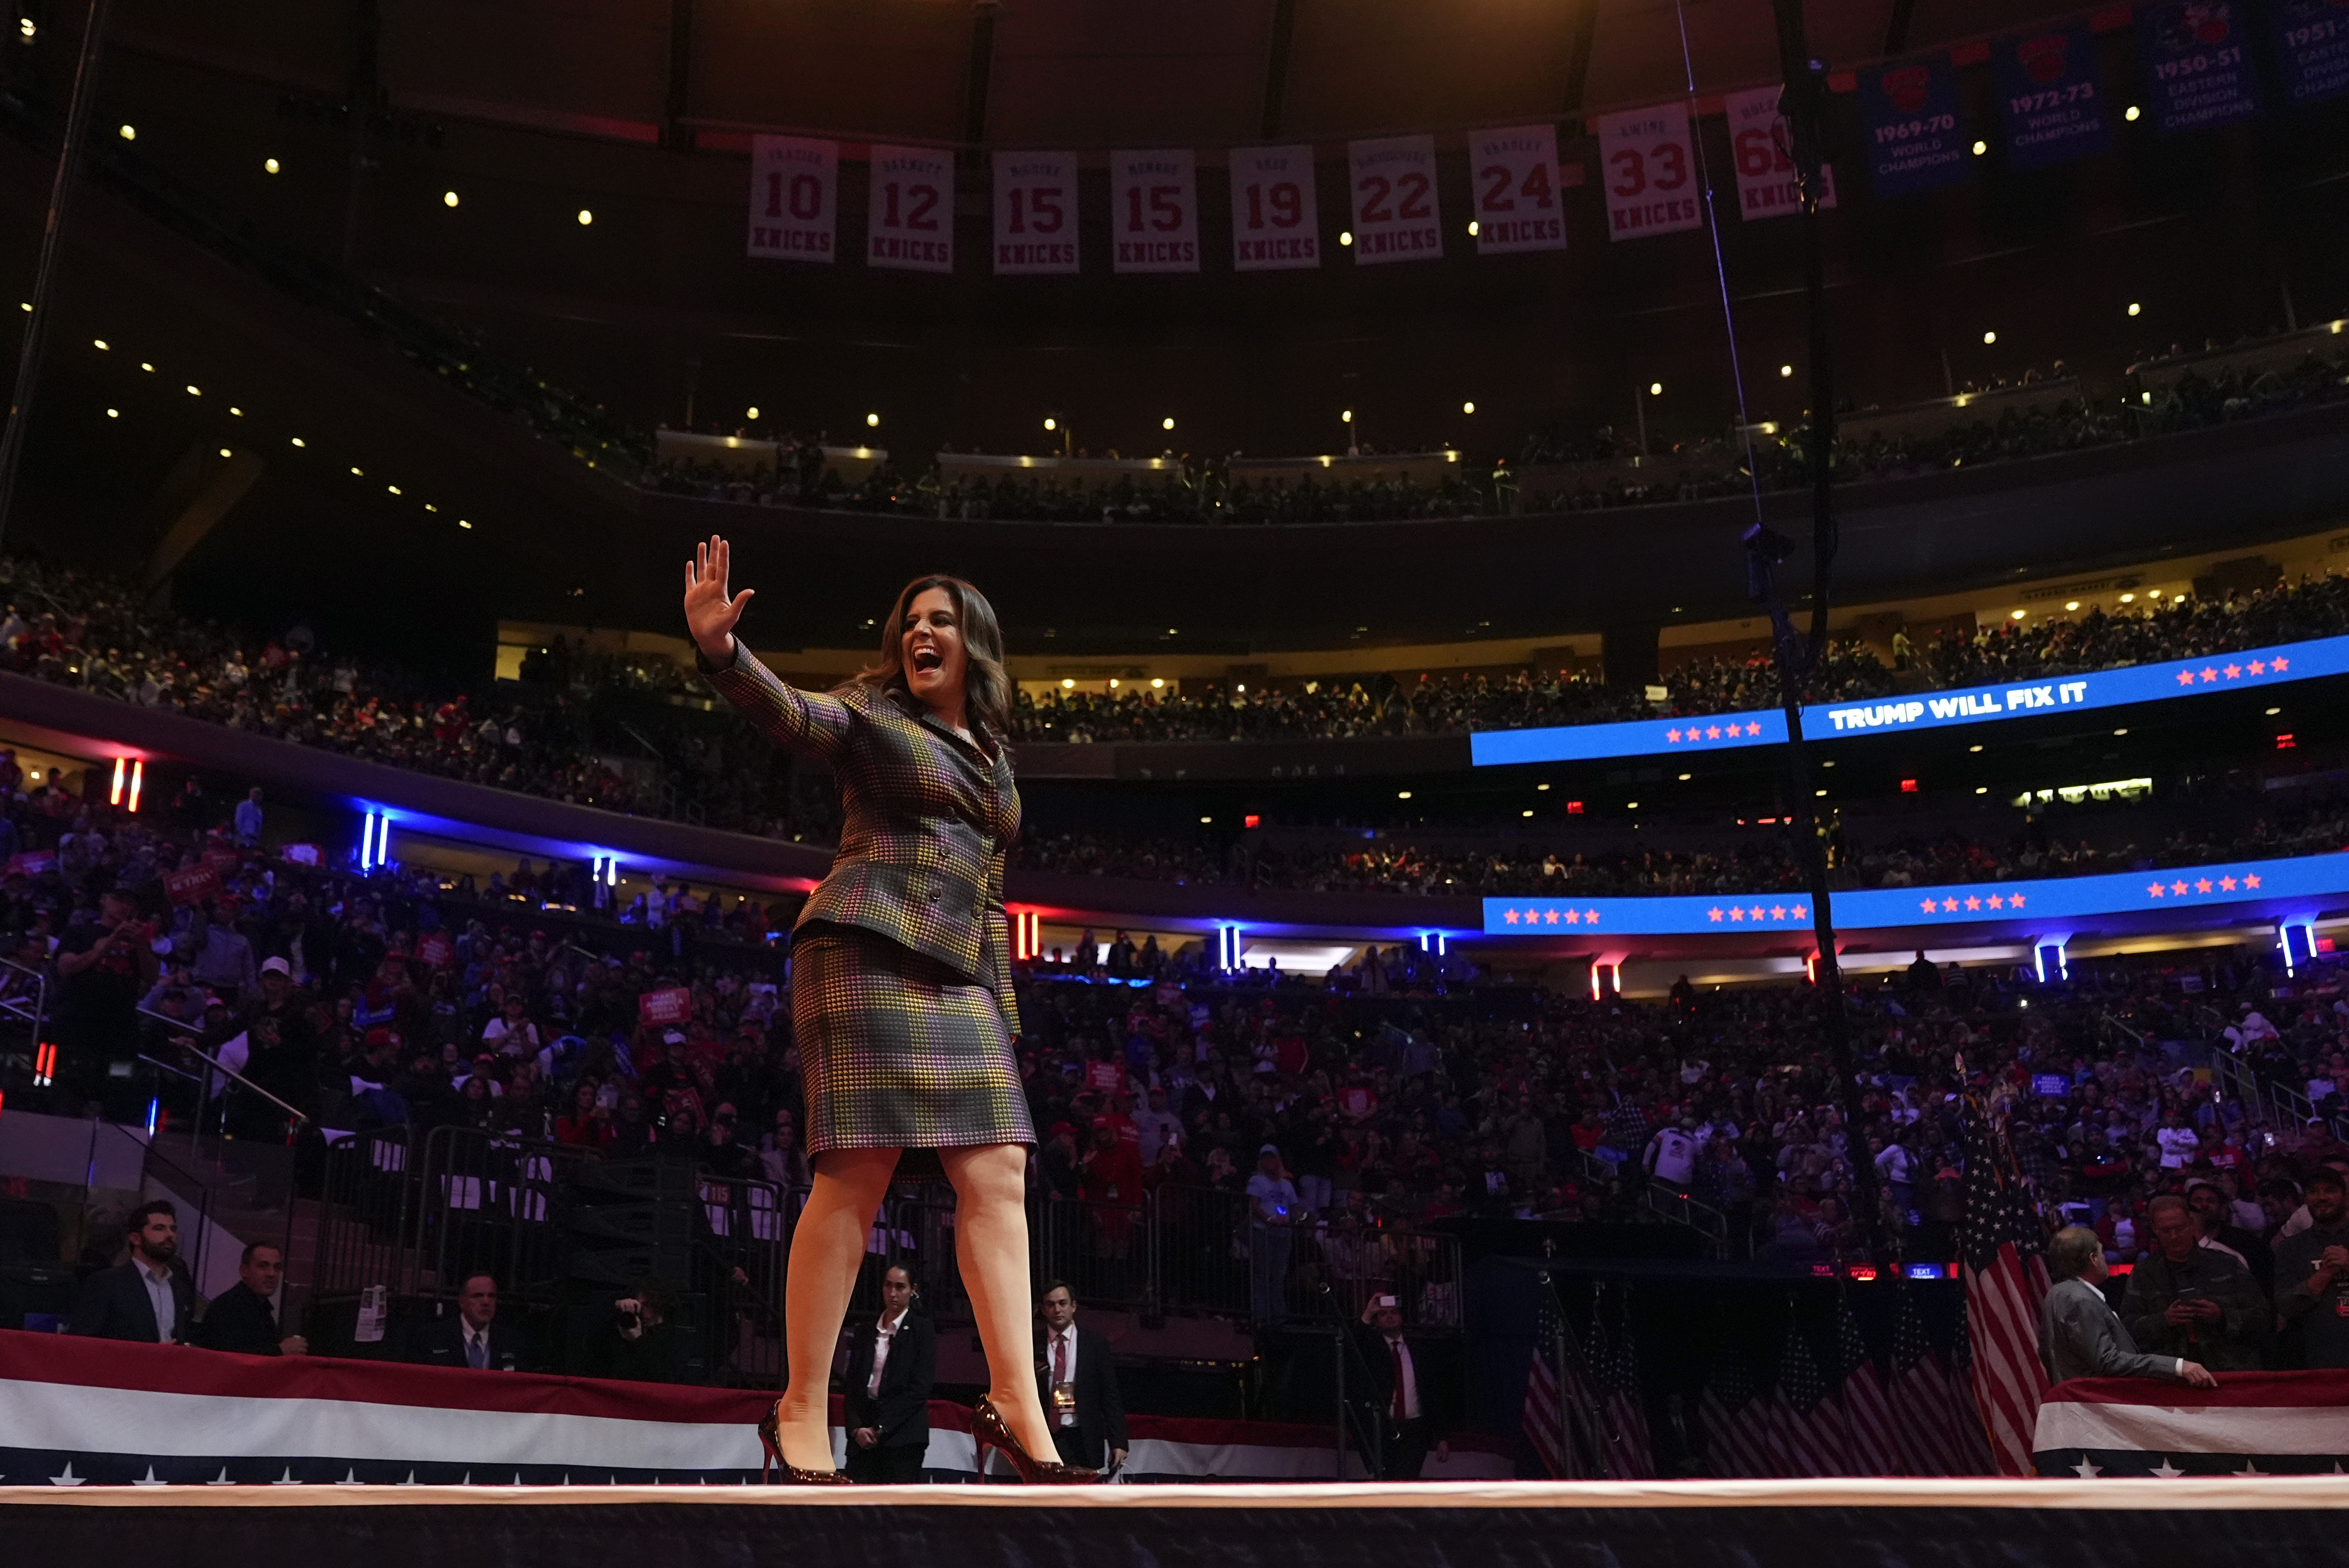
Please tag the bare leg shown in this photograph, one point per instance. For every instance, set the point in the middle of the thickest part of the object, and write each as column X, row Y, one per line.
column 991, row 1239
column 827, row 1249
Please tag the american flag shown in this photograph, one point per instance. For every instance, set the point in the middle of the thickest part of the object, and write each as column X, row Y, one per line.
column 1546, row 1410
column 1630, row 1456
column 1732, row 1415
column 1871, row 1445
column 1934, row 1416
column 2001, row 1250
column 1809, row 1428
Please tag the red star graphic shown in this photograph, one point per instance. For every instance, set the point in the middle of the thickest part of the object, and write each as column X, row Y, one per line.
column 2251, row 881
column 2234, row 670
column 2154, row 889
column 1673, row 735
column 1550, row 917
column 2202, row 886
column 1757, row 912
column 1590, row 917
column 2014, row 901
column 2279, row 664
column 1754, row 728
column 2227, row 885
column 2186, row 678
column 1928, row 906
column 1948, row 906
column 2208, row 674
column 1777, row 912
column 1737, row 914
column 1799, row 912
column 1510, row 916
column 1712, row 732
column 2258, row 668
column 1713, row 915
column 1574, row 917
column 1996, row 901
column 1973, row 903
column 2178, row 888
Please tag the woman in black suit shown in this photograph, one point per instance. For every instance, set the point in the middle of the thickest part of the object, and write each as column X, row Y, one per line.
column 888, row 1413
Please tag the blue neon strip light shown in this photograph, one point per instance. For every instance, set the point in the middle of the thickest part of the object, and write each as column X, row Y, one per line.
column 1925, row 710
column 2054, row 899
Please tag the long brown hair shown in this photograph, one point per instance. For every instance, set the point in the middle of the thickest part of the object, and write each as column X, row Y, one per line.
column 987, row 688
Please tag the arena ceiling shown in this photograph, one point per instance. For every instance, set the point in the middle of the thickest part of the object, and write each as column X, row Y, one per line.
column 1064, row 73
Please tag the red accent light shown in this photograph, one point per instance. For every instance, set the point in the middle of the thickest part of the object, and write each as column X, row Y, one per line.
column 1907, row 786
column 1250, row 821
column 1574, row 808
column 2325, row 945
column 1863, row 1272
column 2284, row 742
column 2120, row 1270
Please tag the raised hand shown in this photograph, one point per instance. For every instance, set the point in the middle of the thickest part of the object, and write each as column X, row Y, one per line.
column 710, row 615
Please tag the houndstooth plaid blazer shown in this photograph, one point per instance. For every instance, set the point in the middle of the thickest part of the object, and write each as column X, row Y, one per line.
column 928, row 817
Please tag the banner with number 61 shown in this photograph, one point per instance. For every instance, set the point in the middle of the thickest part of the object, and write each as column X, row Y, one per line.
column 1762, row 142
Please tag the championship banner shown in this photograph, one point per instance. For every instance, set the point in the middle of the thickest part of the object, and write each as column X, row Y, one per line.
column 1513, row 174
column 2252, row 1423
column 1647, row 160
column 2195, row 61
column 1154, row 210
column 77, row 1412
column 1035, row 212
column 2313, row 49
column 2048, row 92
column 795, row 197
column 1276, row 226
column 909, row 210
column 1760, row 138
column 1396, row 216
column 1914, row 140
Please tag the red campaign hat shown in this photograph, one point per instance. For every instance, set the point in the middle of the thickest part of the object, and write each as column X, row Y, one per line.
column 380, row 1036
column 1061, row 1126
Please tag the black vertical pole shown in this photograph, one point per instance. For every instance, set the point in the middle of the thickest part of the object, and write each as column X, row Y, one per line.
column 1802, row 106
column 37, row 327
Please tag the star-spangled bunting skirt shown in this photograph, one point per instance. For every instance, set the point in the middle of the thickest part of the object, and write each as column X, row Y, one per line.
column 896, row 1050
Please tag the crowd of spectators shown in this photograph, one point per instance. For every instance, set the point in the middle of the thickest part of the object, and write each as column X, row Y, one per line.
column 1862, row 853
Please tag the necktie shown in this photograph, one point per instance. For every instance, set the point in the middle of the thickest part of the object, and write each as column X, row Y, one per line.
column 477, row 1354
column 1059, row 1358
column 1394, row 1352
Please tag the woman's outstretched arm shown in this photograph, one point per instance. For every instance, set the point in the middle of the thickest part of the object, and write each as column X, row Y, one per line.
column 805, row 722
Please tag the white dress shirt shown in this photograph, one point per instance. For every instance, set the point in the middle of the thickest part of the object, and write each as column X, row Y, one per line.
column 1408, row 1374
column 158, row 1280
column 1061, row 1362
column 884, row 1332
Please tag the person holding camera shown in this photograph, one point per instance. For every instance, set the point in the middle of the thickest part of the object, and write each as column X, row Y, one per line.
column 2192, row 1301
column 891, row 1364
column 104, row 967
column 644, row 1346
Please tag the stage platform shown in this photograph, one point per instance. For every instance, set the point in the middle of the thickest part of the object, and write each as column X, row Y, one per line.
column 2201, row 1520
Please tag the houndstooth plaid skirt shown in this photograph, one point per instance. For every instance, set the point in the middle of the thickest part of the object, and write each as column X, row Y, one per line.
column 898, row 1051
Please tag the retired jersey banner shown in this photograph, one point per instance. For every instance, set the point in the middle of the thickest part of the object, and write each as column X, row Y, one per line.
column 795, row 197
column 1395, row 213
column 2198, row 64
column 909, row 217
column 1155, row 211
column 1274, row 224
column 2047, row 88
column 1513, row 174
column 1647, row 162
column 2313, row 49
column 1035, row 212
column 1762, row 142
column 1910, row 110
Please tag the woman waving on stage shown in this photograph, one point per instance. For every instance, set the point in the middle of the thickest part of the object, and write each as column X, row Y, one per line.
column 901, row 986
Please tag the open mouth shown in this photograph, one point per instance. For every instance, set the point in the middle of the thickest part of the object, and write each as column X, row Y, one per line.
column 928, row 658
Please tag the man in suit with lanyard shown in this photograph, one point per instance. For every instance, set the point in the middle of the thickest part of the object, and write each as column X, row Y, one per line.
column 472, row 1338
column 1079, row 1386
column 1402, row 1388
column 891, row 1365
column 147, row 1297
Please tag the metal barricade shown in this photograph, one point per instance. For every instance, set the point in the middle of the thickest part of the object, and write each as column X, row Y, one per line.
column 1200, row 1249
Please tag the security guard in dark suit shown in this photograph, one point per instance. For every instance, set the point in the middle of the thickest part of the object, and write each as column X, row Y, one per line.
column 472, row 1338
column 1079, row 1385
column 147, row 1297
column 888, row 1409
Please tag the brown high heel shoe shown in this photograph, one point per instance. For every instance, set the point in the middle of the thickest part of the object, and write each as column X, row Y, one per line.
column 991, row 1431
column 770, row 1439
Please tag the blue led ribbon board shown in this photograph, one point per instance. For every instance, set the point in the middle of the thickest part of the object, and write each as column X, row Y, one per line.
column 1972, row 705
